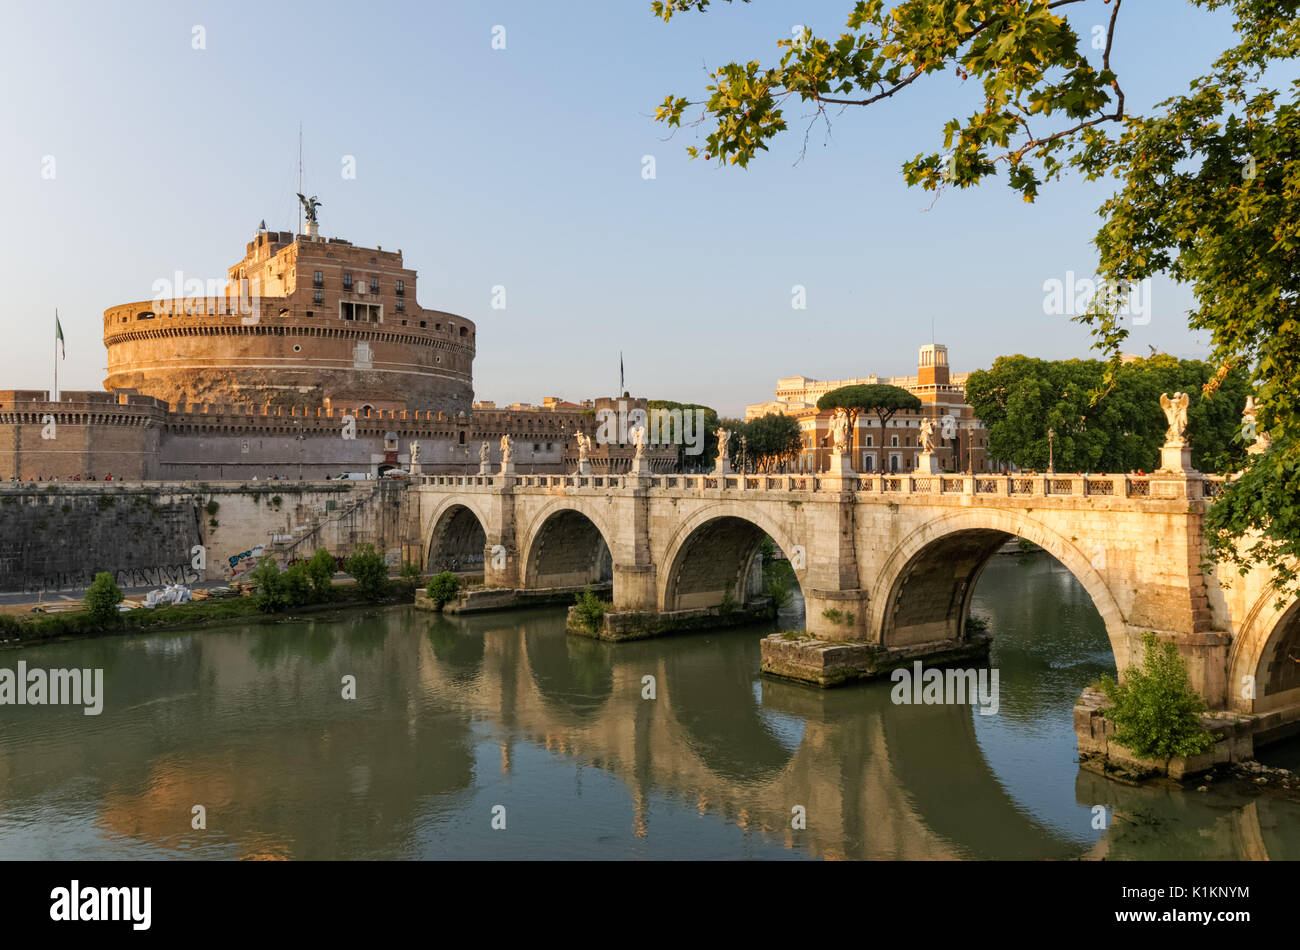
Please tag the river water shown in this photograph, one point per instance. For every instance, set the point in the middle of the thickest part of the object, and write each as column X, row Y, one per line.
column 499, row 736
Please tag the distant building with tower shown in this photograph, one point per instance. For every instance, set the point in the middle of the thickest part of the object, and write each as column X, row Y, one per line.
column 960, row 439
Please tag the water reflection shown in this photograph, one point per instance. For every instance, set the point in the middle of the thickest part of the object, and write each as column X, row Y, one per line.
column 453, row 716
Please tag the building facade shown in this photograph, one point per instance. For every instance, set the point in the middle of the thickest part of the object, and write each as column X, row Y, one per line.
column 960, row 438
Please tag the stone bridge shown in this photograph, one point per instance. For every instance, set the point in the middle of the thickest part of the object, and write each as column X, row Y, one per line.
column 886, row 564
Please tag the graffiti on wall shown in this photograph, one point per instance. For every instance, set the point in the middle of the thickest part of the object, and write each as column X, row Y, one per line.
column 244, row 562
column 126, row 578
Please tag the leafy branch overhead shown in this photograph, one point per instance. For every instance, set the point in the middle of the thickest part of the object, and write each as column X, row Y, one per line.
column 1039, row 87
column 1208, row 184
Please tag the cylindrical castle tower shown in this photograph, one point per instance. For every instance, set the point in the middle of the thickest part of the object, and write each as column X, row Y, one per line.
column 301, row 323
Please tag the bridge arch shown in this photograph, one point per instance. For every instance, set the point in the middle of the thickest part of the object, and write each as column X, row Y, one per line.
column 1267, row 647
column 711, row 553
column 923, row 592
column 565, row 546
column 457, row 537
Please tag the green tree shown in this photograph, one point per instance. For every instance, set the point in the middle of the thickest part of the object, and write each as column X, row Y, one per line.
column 882, row 399
column 369, row 570
column 1019, row 399
column 102, row 598
column 270, row 585
column 772, row 439
column 296, row 586
column 321, row 569
column 708, row 444
column 1156, row 712
column 1208, row 183
column 272, row 592
column 443, row 588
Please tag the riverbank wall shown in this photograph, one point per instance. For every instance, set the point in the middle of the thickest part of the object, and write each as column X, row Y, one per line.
column 57, row 536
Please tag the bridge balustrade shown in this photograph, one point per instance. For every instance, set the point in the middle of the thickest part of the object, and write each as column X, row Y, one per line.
column 1018, row 485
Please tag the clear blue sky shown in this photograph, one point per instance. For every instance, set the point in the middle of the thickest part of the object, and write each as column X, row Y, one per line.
column 522, row 167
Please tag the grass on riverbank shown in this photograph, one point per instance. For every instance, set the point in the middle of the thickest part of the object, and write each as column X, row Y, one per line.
column 79, row 624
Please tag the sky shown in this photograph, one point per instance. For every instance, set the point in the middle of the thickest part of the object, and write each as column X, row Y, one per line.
column 130, row 154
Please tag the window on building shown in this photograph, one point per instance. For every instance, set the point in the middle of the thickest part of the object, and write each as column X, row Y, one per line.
column 401, row 307
column 401, row 288
column 347, row 281
column 318, row 279
column 318, row 297
column 424, row 323
column 374, row 285
column 893, row 440
column 871, row 440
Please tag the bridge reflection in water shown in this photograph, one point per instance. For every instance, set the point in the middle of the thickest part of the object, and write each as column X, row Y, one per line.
column 455, row 715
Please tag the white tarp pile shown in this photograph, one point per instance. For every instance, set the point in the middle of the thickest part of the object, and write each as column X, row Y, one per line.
column 172, row 594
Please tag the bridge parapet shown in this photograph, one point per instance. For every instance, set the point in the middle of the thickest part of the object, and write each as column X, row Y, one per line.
column 1193, row 486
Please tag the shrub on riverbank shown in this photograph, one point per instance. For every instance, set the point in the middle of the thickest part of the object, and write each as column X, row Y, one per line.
column 102, row 599
column 1156, row 712
column 442, row 588
column 321, row 570
column 589, row 610
column 370, row 572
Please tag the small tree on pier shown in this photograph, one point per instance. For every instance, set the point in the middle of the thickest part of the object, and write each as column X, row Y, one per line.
column 1157, row 714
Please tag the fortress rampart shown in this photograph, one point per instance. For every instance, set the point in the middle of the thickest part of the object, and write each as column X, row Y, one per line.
column 132, row 437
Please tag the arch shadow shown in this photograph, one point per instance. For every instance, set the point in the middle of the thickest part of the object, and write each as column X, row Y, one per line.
column 1267, row 648
column 565, row 547
column 457, row 540
column 923, row 592
column 714, row 555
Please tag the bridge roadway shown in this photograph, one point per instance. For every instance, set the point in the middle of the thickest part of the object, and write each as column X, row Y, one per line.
column 885, row 560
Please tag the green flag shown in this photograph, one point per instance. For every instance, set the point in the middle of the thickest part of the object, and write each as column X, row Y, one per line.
column 58, row 335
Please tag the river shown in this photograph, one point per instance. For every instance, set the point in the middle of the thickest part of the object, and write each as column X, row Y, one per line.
column 498, row 735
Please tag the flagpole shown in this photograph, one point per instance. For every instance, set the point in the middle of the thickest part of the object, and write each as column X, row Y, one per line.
column 56, row 354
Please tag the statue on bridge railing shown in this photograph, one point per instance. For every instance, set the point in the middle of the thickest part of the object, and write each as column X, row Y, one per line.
column 506, row 447
column 638, row 440
column 584, row 446
column 1176, row 413
column 482, row 458
column 840, row 430
column 1258, row 440
column 724, row 436
column 415, row 453
column 927, row 435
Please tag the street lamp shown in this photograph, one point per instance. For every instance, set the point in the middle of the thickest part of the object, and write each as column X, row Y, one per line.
column 1051, row 455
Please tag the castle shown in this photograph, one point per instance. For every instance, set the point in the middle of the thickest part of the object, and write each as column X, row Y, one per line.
column 310, row 359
